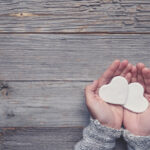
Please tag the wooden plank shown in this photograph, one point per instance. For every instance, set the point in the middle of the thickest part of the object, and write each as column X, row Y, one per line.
column 40, row 138
column 43, row 104
column 74, row 16
column 67, row 57
column 43, row 139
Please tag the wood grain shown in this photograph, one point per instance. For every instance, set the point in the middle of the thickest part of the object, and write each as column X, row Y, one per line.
column 40, row 138
column 49, row 51
column 43, row 104
column 43, row 139
column 75, row 16
column 67, row 57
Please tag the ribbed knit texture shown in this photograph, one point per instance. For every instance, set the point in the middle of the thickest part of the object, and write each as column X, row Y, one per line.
column 136, row 142
column 98, row 137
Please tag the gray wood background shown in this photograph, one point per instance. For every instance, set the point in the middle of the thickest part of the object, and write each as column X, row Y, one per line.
column 49, row 51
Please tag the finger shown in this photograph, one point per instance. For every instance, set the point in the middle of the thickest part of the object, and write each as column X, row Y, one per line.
column 108, row 74
column 90, row 89
column 140, row 79
column 134, row 74
column 147, row 96
column 94, row 85
column 146, row 73
column 126, row 70
column 128, row 77
column 122, row 66
column 146, row 76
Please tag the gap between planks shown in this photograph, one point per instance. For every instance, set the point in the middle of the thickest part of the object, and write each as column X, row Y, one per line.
column 82, row 33
column 46, row 80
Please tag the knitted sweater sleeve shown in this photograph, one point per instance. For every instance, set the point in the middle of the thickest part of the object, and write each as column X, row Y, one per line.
column 98, row 137
column 136, row 142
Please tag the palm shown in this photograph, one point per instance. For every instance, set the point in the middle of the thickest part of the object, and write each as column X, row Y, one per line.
column 139, row 123
column 113, row 113
column 109, row 115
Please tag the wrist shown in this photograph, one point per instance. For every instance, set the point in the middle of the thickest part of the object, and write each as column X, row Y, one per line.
column 115, row 124
column 106, row 129
column 138, row 132
column 110, row 125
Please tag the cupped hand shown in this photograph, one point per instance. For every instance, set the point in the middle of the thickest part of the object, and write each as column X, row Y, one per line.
column 139, row 123
column 107, row 114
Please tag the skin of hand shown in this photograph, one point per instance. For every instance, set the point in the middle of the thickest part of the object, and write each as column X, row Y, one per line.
column 107, row 114
column 139, row 123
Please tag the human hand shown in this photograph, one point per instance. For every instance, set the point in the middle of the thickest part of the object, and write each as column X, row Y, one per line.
column 139, row 123
column 107, row 114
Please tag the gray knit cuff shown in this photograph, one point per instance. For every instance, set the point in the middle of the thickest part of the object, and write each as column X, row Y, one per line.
column 136, row 142
column 110, row 132
column 98, row 137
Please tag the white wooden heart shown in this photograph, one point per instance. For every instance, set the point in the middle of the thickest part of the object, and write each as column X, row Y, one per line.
column 136, row 102
column 115, row 92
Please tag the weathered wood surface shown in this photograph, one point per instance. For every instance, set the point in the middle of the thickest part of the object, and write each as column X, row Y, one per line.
column 67, row 57
column 40, row 138
column 43, row 104
column 43, row 139
column 44, row 67
column 75, row 16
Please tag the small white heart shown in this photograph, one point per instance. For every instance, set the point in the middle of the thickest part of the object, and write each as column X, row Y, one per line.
column 129, row 96
column 136, row 102
column 115, row 92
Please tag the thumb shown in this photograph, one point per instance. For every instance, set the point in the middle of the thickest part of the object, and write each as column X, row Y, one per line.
column 94, row 85
column 90, row 89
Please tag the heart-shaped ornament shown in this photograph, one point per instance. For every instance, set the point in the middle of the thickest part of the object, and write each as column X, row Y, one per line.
column 115, row 92
column 136, row 102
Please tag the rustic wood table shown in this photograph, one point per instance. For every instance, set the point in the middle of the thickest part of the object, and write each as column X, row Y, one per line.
column 49, row 51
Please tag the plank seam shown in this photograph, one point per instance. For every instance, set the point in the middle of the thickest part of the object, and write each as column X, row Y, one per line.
column 46, row 80
column 97, row 33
